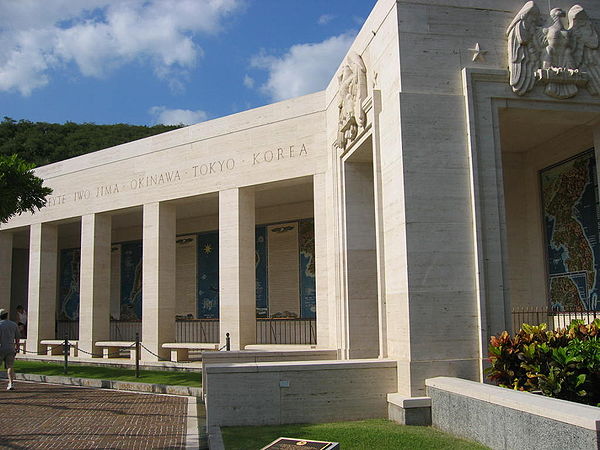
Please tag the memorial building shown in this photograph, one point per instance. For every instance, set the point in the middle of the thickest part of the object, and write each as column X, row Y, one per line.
column 447, row 174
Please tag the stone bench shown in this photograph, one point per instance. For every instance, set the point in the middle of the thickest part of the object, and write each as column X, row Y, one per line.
column 180, row 351
column 55, row 347
column 112, row 348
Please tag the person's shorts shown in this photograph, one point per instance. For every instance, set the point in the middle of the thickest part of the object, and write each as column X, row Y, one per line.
column 8, row 358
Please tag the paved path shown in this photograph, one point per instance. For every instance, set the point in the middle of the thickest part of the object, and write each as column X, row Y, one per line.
column 50, row 416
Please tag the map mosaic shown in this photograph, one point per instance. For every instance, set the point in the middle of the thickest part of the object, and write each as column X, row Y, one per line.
column 570, row 208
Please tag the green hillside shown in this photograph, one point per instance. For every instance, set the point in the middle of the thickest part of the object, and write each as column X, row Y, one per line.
column 44, row 143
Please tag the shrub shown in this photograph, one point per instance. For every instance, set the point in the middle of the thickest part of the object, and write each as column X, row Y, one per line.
column 563, row 364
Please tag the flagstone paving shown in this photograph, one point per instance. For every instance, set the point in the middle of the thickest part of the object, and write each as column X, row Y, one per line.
column 51, row 416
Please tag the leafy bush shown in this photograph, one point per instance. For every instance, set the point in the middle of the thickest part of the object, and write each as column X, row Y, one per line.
column 563, row 364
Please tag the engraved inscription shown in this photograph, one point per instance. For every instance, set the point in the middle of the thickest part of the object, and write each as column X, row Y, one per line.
column 166, row 177
column 281, row 153
column 81, row 195
column 103, row 191
column 214, row 167
column 156, row 179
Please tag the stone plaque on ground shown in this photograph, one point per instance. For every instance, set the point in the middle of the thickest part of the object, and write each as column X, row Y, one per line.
column 283, row 443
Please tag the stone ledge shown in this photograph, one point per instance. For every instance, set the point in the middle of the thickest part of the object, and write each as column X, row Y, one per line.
column 187, row 391
column 215, row 438
column 123, row 363
column 550, row 408
column 299, row 365
column 409, row 410
column 284, row 348
column 409, row 402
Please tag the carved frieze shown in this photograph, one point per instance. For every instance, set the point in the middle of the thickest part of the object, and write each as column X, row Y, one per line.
column 352, row 92
column 564, row 55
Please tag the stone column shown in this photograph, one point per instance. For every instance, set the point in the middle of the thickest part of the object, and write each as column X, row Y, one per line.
column 94, row 303
column 158, row 279
column 6, row 249
column 325, row 320
column 43, row 263
column 237, row 275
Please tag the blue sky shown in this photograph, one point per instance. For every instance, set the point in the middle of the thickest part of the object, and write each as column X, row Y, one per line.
column 166, row 61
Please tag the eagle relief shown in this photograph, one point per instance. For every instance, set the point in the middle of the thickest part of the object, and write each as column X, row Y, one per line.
column 564, row 56
column 353, row 91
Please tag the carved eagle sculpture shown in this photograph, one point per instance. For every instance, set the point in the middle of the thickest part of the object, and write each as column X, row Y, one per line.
column 564, row 56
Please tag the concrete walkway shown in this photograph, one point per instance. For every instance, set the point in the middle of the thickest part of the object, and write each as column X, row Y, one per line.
column 39, row 415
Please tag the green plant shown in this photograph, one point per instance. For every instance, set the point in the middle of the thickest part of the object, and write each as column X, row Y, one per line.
column 563, row 364
column 21, row 190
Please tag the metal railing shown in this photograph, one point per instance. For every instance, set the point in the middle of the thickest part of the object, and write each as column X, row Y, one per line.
column 68, row 328
column 187, row 330
column 125, row 330
column 268, row 331
column 536, row 315
column 286, row 331
column 120, row 330
column 197, row 330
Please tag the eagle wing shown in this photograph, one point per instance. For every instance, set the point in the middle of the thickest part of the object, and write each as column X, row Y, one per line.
column 525, row 40
column 360, row 84
column 586, row 47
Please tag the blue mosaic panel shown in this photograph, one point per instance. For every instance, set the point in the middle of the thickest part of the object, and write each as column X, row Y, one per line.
column 308, row 296
column 262, row 287
column 68, row 284
column 131, row 280
column 208, row 276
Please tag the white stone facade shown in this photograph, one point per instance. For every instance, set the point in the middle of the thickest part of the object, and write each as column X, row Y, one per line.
column 419, row 165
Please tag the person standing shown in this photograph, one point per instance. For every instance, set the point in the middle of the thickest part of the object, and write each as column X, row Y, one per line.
column 22, row 320
column 9, row 345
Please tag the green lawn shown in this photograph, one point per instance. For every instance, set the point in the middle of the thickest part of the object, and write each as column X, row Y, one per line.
column 179, row 378
column 367, row 434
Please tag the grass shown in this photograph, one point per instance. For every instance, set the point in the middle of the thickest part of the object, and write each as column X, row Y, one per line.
column 179, row 378
column 366, row 434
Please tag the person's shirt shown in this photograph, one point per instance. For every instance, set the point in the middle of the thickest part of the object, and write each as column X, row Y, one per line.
column 9, row 332
column 22, row 317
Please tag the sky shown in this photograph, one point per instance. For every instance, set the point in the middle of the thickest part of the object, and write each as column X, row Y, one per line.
column 146, row 62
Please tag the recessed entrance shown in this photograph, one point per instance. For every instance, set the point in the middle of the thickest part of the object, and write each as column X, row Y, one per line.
column 361, row 253
column 551, row 206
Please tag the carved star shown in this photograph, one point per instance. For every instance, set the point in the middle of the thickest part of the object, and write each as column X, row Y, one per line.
column 478, row 53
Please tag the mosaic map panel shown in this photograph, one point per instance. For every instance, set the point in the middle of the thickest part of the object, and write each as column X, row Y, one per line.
column 570, row 208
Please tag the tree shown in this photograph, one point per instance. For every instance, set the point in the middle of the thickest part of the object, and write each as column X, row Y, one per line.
column 20, row 189
column 44, row 143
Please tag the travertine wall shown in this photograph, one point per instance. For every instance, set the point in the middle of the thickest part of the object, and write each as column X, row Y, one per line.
column 297, row 392
column 284, row 283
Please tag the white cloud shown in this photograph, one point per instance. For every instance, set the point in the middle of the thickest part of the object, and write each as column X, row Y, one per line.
column 248, row 81
column 325, row 19
column 305, row 68
column 165, row 116
column 101, row 35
